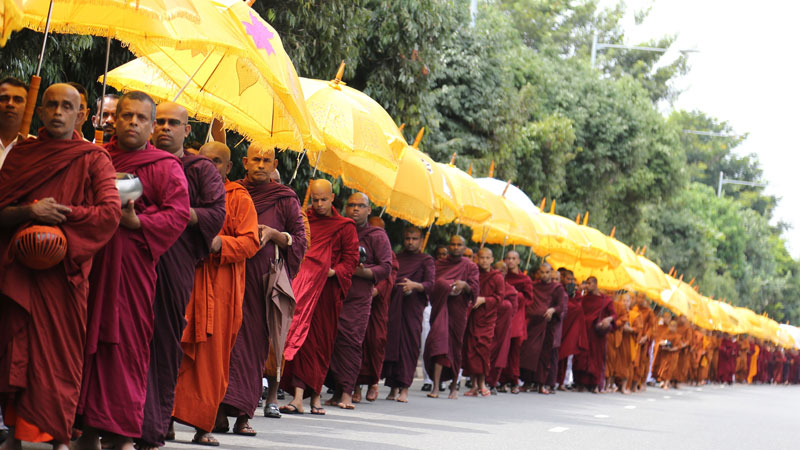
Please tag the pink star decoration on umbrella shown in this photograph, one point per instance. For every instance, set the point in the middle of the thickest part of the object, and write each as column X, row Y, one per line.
column 260, row 34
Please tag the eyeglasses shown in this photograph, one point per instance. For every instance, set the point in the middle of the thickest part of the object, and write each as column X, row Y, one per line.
column 171, row 122
column 357, row 205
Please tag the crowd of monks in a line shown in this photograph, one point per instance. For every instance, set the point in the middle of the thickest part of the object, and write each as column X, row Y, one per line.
column 171, row 307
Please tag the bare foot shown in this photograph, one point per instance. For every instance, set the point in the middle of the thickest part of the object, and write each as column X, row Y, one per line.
column 403, row 397
column 89, row 440
column 11, row 444
column 333, row 401
column 372, row 393
column 60, row 446
column 453, row 394
column 203, row 438
column 357, row 395
column 346, row 402
column 124, row 443
column 392, row 394
column 470, row 393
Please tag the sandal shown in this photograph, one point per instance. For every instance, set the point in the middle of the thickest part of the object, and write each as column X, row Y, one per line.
column 272, row 411
column 246, row 430
column 206, row 439
column 317, row 411
column 289, row 409
column 485, row 392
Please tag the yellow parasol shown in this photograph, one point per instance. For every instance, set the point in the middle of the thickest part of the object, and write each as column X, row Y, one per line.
column 629, row 274
column 471, row 201
column 675, row 299
column 11, row 14
column 509, row 224
column 564, row 244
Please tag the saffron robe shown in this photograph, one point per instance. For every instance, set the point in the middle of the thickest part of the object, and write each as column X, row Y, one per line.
column 618, row 346
column 122, row 288
column 449, row 315
column 404, row 330
column 309, row 344
column 43, row 313
column 354, row 316
column 477, row 355
column 374, row 348
column 174, row 282
column 214, row 314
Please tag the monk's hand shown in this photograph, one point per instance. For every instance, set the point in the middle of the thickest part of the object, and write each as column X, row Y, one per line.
column 478, row 302
column 643, row 340
column 216, row 244
column 129, row 218
column 363, row 272
column 49, row 211
column 457, row 287
column 192, row 217
column 410, row 286
column 374, row 292
column 548, row 315
column 263, row 235
column 628, row 328
column 331, row 273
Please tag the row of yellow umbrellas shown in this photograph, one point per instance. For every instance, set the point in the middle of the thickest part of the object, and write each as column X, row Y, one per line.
column 222, row 60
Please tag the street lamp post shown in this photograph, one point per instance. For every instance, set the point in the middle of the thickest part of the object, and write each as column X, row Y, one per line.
column 601, row 45
column 723, row 180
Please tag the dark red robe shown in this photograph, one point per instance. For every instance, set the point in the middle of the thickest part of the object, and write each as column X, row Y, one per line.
column 536, row 351
column 374, row 348
column 43, row 313
column 449, row 315
column 502, row 333
column 519, row 329
column 277, row 207
column 588, row 366
column 174, row 282
column 309, row 344
column 726, row 365
column 122, row 287
column 404, row 330
column 573, row 336
column 477, row 355
column 354, row 316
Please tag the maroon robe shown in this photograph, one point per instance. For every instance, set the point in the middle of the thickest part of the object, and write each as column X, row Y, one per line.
column 588, row 366
column 477, row 354
column 278, row 207
column 726, row 363
column 122, row 287
column 573, row 336
column 374, row 348
column 536, row 351
column 404, row 330
column 354, row 317
column 449, row 315
column 174, row 282
column 502, row 334
column 309, row 344
column 43, row 313
column 524, row 286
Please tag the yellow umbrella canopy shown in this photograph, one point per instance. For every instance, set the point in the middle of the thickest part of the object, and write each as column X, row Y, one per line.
column 208, row 95
column 509, row 224
column 472, row 202
column 566, row 243
column 675, row 299
column 11, row 19
column 651, row 280
column 351, row 122
column 600, row 251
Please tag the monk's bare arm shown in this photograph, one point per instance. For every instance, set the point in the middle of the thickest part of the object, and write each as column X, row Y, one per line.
column 46, row 211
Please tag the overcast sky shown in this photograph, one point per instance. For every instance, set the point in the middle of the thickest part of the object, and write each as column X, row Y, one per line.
column 746, row 73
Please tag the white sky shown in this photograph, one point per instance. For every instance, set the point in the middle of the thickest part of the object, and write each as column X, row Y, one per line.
column 747, row 73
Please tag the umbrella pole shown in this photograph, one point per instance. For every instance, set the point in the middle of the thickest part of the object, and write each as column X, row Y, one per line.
column 315, row 169
column 36, row 81
column 458, row 229
column 185, row 85
column 503, row 253
column 299, row 161
column 528, row 262
column 383, row 210
column 484, row 236
column 427, row 235
column 98, row 133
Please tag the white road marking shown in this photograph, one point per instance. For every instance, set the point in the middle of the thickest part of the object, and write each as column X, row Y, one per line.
column 601, row 416
column 630, row 407
column 699, row 389
column 558, row 429
column 651, row 399
column 667, row 396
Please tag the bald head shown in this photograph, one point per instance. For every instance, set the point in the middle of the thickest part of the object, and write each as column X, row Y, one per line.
column 259, row 163
column 501, row 267
column 172, row 127
column 485, row 258
column 456, row 246
column 512, row 261
column 59, row 110
column 321, row 194
column 220, row 155
column 545, row 272
column 376, row 221
column 358, row 208
column 275, row 177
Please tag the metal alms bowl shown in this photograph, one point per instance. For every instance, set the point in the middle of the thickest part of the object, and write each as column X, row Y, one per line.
column 129, row 187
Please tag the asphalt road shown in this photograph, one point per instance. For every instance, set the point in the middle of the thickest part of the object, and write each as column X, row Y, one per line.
column 712, row 417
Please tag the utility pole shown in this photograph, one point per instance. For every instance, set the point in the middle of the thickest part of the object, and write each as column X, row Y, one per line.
column 600, row 45
column 723, row 180
column 473, row 12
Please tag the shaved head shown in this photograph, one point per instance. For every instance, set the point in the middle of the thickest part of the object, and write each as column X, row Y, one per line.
column 321, row 193
column 172, row 127
column 457, row 246
column 512, row 261
column 358, row 208
column 59, row 110
column 545, row 272
column 376, row 221
column 485, row 259
column 259, row 163
column 220, row 155
column 501, row 267
column 276, row 176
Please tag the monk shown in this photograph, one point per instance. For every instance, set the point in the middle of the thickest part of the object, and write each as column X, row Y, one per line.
column 175, row 271
column 599, row 316
column 374, row 348
column 457, row 285
column 643, row 321
column 58, row 180
column 375, row 266
column 123, row 280
column 105, row 120
column 283, row 236
column 13, row 98
column 214, row 313
column 415, row 279
column 573, row 331
column 544, row 316
column 670, row 343
column 619, row 361
column 320, row 287
column 477, row 355
column 728, row 351
column 524, row 286
column 684, row 357
column 501, row 342
column 83, row 109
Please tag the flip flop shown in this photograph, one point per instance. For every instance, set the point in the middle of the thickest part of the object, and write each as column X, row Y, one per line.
column 317, row 411
column 485, row 392
column 471, row 393
column 289, row 409
column 207, row 440
column 246, row 430
column 402, row 401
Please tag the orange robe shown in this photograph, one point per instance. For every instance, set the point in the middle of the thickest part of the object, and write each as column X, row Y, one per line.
column 742, row 359
column 668, row 361
column 618, row 356
column 753, row 369
column 645, row 324
column 214, row 314
column 685, row 357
